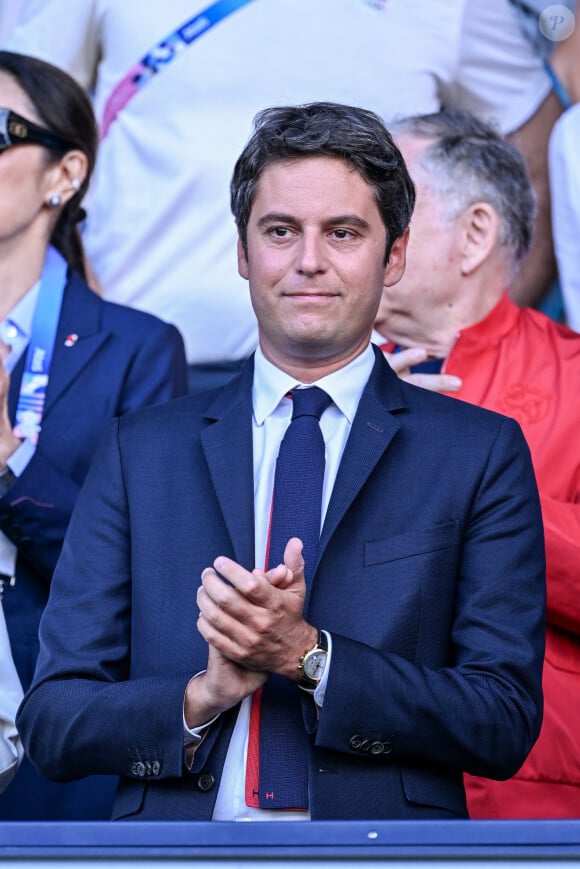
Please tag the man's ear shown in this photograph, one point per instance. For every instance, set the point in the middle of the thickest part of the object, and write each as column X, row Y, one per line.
column 395, row 267
column 242, row 260
column 480, row 227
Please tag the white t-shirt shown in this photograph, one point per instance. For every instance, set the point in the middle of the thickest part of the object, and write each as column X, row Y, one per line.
column 160, row 235
column 565, row 192
column 9, row 12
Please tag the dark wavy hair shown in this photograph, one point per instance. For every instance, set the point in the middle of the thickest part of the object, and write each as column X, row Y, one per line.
column 355, row 135
column 64, row 109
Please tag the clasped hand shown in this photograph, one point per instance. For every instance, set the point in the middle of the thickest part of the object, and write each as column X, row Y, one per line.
column 253, row 623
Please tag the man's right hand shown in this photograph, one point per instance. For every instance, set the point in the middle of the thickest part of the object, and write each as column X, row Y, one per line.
column 222, row 686
column 228, row 681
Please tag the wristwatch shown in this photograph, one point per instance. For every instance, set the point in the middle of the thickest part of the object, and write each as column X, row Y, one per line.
column 313, row 664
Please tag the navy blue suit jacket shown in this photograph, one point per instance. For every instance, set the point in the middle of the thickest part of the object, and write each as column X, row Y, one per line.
column 121, row 360
column 430, row 579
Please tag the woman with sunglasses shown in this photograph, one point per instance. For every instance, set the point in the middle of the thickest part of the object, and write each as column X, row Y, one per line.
column 71, row 362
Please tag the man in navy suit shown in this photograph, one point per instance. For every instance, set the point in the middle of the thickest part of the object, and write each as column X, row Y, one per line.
column 415, row 653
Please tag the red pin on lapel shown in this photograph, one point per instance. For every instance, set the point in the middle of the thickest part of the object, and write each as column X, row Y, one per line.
column 71, row 340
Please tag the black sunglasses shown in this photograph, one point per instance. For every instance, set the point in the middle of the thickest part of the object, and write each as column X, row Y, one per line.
column 16, row 130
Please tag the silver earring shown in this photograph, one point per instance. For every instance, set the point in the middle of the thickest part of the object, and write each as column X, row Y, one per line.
column 76, row 184
column 54, row 200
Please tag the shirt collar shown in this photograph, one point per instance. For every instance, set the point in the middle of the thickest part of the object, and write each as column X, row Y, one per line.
column 499, row 322
column 345, row 386
column 22, row 313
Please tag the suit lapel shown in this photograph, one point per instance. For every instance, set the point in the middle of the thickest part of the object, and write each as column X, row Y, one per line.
column 227, row 445
column 373, row 429
column 80, row 318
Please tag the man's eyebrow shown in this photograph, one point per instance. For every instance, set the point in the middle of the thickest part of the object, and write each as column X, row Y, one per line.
column 348, row 220
column 275, row 217
column 338, row 220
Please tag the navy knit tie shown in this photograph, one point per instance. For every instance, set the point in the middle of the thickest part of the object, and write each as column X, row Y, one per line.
column 297, row 502
column 296, row 512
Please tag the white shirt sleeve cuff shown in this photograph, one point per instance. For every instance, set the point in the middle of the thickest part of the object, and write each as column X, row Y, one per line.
column 195, row 734
column 20, row 458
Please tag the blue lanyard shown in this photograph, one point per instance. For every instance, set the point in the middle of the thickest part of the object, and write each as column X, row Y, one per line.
column 557, row 86
column 162, row 54
column 32, row 396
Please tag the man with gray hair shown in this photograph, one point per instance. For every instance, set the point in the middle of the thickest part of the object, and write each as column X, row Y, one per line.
column 450, row 326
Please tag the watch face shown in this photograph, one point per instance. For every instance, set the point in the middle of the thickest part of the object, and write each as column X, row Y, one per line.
column 314, row 665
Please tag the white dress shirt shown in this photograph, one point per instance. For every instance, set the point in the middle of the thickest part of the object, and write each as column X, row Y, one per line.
column 271, row 417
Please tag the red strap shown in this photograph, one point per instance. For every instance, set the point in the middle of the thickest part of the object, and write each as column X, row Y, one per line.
column 253, row 761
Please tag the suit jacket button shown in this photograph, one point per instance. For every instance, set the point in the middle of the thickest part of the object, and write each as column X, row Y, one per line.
column 387, row 746
column 377, row 747
column 355, row 742
column 155, row 767
column 138, row 768
column 205, row 781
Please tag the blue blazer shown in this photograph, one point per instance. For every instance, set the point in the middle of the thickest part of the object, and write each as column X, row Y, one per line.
column 430, row 578
column 122, row 359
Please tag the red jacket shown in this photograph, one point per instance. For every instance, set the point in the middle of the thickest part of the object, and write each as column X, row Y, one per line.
column 521, row 363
